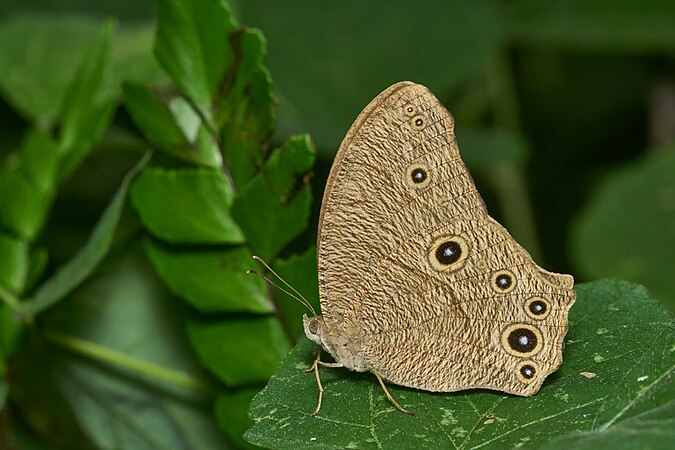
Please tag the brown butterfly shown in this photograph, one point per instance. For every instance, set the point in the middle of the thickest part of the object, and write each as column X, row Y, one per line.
column 417, row 283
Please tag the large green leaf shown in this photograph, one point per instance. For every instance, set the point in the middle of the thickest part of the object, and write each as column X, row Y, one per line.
column 274, row 207
column 124, row 321
column 348, row 53
column 627, row 228
column 75, row 271
column 618, row 361
column 190, row 206
column 211, row 280
column 231, row 409
column 240, row 350
column 193, row 46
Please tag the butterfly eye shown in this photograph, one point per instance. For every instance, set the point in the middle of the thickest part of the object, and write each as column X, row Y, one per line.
column 526, row 371
column 538, row 308
column 419, row 122
column 522, row 339
column 448, row 253
column 417, row 176
column 503, row 281
column 410, row 110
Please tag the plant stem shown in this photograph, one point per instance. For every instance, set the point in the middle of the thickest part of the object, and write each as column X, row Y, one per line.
column 9, row 299
column 509, row 179
column 122, row 360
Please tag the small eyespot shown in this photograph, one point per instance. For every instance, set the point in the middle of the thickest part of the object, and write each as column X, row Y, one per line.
column 537, row 308
column 503, row 281
column 313, row 326
column 410, row 109
column 526, row 371
column 417, row 176
column 522, row 339
column 418, row 122
column 448, row 253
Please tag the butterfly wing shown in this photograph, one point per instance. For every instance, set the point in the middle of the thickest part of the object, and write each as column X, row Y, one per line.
column 411, row 265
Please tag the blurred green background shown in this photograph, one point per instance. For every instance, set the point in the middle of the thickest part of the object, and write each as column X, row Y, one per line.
column 578, row 96
column 565, row 110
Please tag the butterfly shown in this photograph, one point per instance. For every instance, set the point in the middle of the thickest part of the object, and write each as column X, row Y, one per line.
column 417, row 283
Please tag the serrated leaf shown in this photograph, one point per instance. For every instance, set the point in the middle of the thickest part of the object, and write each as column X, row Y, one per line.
column 246, row 107
column 197, row 201
column 75, row 271
column 641, row 249
column 88, row 103
column 230, row 410
column 601, row 25
column 274, row 207
column 610, row 373
column 193, row 47
column 259, row 346
column 14, row 263
column 211, row 280
column 125, row 310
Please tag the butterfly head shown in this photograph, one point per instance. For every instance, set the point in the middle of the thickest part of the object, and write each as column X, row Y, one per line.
column 313, row 327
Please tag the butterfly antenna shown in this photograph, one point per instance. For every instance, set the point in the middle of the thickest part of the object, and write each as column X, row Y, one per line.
column 296, row 295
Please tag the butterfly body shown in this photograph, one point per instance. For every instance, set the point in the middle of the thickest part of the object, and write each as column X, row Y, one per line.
column 417, row 282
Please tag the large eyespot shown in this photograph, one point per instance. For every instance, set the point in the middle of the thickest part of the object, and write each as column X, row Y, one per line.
column 410, row 110
column 526, row 371
column 503, row 281
column 417, row 176
column 538, row 308
column 521, row 339
column 418, row 122
column 448, row 253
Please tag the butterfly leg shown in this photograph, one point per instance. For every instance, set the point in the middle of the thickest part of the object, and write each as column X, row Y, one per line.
column 391, row 399
column 315, row 367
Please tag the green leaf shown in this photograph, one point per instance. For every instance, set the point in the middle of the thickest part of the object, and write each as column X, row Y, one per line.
column 27, row 185
column 259, row 346
column 155, row 118
column 89, row 103
column 38, row 57
column 618, row 361
column 124, row 315
column 230, row 410
column 274, row 207
column 190, row 206
column 74, row 272
column 600, row 25
column 350, row 53
column 38, row 159
column 193, row 46
column 300, row 271
column 627, row 228
column 246, row 107
column 14, row 263
column 4, row 387
column 211, row 280
column 23, row 208
column 653, row 429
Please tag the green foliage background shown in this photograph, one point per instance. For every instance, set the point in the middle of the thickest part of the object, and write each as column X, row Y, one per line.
column 148, row 149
